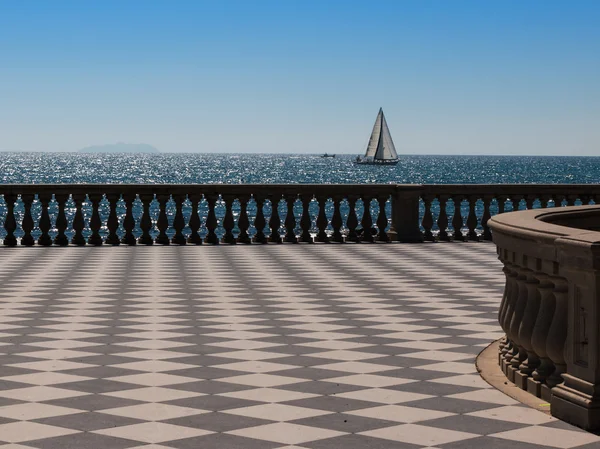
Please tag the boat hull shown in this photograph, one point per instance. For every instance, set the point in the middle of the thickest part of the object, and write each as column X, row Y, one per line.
column 393, row 162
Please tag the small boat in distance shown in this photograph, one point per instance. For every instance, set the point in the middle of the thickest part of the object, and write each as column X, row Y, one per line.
column 328, row 155
column 381, row 150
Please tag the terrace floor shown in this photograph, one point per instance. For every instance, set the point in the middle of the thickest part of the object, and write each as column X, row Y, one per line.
column 289, row 346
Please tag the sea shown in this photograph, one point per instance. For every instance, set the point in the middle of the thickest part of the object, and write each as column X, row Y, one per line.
column 165, row 168
column 171, row 168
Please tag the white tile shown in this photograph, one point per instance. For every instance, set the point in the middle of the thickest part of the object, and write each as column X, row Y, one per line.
column 516, row 414
column 400, row 413
column 420, row 435
column 286, row 433
column 547, row 436
column 153, row 432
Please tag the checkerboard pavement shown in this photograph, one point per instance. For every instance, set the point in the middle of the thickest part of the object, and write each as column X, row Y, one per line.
column 289, row 346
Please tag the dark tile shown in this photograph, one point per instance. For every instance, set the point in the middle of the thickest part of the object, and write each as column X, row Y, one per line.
column 471, row 424
column 221, row 441
column 357, row 442
column 344, row 422
column 89, row 421
column 213, row 403
column 218, row 422
column 82, row 440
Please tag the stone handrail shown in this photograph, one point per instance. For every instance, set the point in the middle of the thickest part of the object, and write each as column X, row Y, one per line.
column 550, row 310
column 80, row 214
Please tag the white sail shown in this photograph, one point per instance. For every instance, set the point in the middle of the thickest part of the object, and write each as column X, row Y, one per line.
column 385, row 148
column 381, row 146
column 375, row 134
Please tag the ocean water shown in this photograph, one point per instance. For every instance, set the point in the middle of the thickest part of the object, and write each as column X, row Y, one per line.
column 36, row 168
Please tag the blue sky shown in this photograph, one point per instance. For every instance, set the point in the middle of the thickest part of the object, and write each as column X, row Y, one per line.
column 453, row 76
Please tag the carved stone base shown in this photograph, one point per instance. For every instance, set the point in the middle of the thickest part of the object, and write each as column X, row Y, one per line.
column 577, row 402
column 546, row 393
column 534, row 387
column 510, row 373
column 521, row 380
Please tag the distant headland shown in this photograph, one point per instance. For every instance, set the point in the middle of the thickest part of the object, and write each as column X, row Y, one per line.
column 120, row 148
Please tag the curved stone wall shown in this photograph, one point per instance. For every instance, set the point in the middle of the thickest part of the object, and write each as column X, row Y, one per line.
column 550, row 311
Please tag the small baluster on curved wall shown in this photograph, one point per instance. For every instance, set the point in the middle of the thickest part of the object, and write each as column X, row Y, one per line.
column 259, row 221
column 128, row 221
column 530, row 315
column 472, row 218
column 146, row 220
column 45, row 239
column 163, row 222
column 443, row 219
column 457, row 221
column 27, row 225
column 10, row 223
column 367, row 220
column 487, row 202
column 290, row 219
column 305, row 221
column 503, row 303
column 211, row 220
column 228, row 221
column 78, row 220
column 529, row 200
column 427, row 221
column 352, row 220
column 275, row 220
column 382, row 220
column 113, row 221
column 509, row 309
column 557, row 334
column 195, row 222
column 95, row 222
column 518, row 353
column 322, row 220
column 539, row 337
column 243, row 221
column 178, row 220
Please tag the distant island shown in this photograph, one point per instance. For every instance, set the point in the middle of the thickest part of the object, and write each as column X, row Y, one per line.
column 120, row 148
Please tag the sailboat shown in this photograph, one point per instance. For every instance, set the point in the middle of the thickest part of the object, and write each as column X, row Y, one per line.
column 381, row 150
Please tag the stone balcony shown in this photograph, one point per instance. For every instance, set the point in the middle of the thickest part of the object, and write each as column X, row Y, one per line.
column 255, row 346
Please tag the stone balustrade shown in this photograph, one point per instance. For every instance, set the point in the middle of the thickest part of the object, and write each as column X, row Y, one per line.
column 550, row 309
column 115, row 214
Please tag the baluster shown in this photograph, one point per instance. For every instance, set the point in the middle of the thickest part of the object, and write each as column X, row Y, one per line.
column 163, row 221
column 178, row 220
column 61, row 220
column 78, row 220
column 129, row 221
column 244, row 222
column 526, row 331
column 571, row 199
column 427, row 221
column 518, row 353
column 305, row 221
column 352, row 220
column 367, row 220
column 290, row 219
column 113, row 221
column 95, row 222
column 472, row 218
column 487, row 202
column 44, row 238
column 501, row 203
column 27, row 225
column 503, row 305
column 336, row 221
column 539, row 336
column 529, row 200
column 509, row 309
column 195, row 221
column 259, row 221
column 585, row 199
column 443, row 219
column 544, row 200
column 382, row 220
column 322, row 220
column 146, row 221
column 211, row 219
column 275, row 220
column 457, row 221
column 557, row 335
column 10, row 224
column 228, row 221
